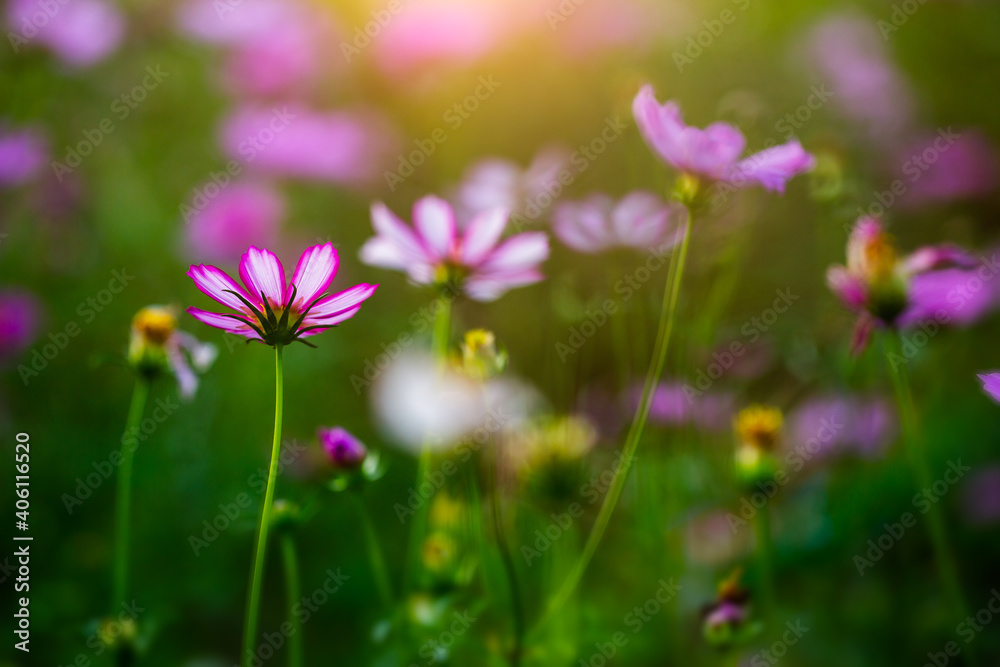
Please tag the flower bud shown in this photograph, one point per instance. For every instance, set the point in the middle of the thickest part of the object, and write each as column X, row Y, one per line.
column 152, row 328
column 344, row 450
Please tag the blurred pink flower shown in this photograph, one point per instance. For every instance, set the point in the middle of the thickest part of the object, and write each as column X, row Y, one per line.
column 850, row 55
column 439, row 32
column 991, row 385
column 343, row 450
column 938, row 284
column 275, row 47
column 80, row 33
column 640, row 220
column 599, row 26
column 241, row 214
column 344, row 147
column 434, row 251
column 835, row 425
column 981, row 496
column 271, row 310
column 946, row 166
column 20, row 317
column 713, row 153
column 675, row 404
column 526, row 191
column 23, row 153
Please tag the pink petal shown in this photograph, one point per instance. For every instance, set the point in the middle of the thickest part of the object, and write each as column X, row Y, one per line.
column 328, row 321
column 491, row 286
column 396, row 232
column 384, row 252
column 846, row 287
column 934, row 257
column 580, row 226
column 314, row 273
column 435, row 221
column 640, row 219
column 482, row 235
column 261, row 271
column 991, row 385
column 863, row 330
column 774, row 166
column 222, row 322
column 340, row 302
column 518, row 252
column 187, row 381
column 214, row 282
column 660, row 126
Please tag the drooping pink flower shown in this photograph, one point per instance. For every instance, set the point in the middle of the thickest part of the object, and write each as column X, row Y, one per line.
column 640, row 220
column 343, row 450
column 946, row 166
column 991, row 385
column 344, row 147
column 434, row 251
column 525, row 191
column 81, row 33
column 713, row 153
column 22, row 155
column 20, row 314
column 240, row 215
column 936, row 283
column 271, row 310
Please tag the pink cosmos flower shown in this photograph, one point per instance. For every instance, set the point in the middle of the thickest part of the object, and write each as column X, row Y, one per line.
column 947, row 166
column 434, row 252
column 271, row 310
column 713, row 153
column 344, row 450
column 240, row 214
column 344, row 147
column 526, row 191
column 81, row 33
column 934, row 282
column 22, row 155
column 991, row 385
column 640, row 220
column 20, row 314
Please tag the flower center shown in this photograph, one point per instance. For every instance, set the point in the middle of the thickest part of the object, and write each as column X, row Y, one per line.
column 155, row 324
column 758, row 426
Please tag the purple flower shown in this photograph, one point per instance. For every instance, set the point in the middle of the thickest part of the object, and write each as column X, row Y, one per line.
column 713, row 153
column 433, row 251
column 22, row 155
column 240, row 215
column 271, row 310
column 981, row 496
column 947, row 166
column 991, row 384
column 832, row 425
column 81, row 32
column 343, row 147
column 344, row 450
column 934, row 282
column 20, row 314
column 497, row 182
column 640, row 220
column 676, row 404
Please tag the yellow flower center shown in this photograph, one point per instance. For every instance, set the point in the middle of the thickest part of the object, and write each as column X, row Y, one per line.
column 758, row 426
column 880, row 257
column 155, row 324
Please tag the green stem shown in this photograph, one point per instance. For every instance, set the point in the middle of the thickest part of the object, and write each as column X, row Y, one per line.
column 517, row 607
column 294, row 592
column 253, row 603
column 670, row 297
column 375, row 553
column 765, row 559
column 123, row 500
column 439, row 346
column 913, row 438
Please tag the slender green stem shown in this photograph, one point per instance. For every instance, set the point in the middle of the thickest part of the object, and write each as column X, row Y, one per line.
column 375, row 556
column 123, row 500
column 516, row 603
column 670, row 299
column 619, row 331
column 253, row 602
column 913, row 438
column 765, row 559
column 294, row 592
column 439, row 346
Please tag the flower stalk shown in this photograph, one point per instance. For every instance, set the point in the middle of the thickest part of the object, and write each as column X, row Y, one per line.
column 293, row 591
column 123, row 500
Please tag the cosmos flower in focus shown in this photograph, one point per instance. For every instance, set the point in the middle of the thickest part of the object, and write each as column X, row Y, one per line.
column 23, row 153
column 343, row 147
column 157, row 345
column 434, row 252
column 640, row 220
column 20, row 314
column 991, row 385
column 241, row 214
column 343, row 450
column 271, row 310
column 713, row 154
column 81, row 33
column 934, row 283
column 497, row 182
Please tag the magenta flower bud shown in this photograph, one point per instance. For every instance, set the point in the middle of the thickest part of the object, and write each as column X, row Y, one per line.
column 345, row 451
